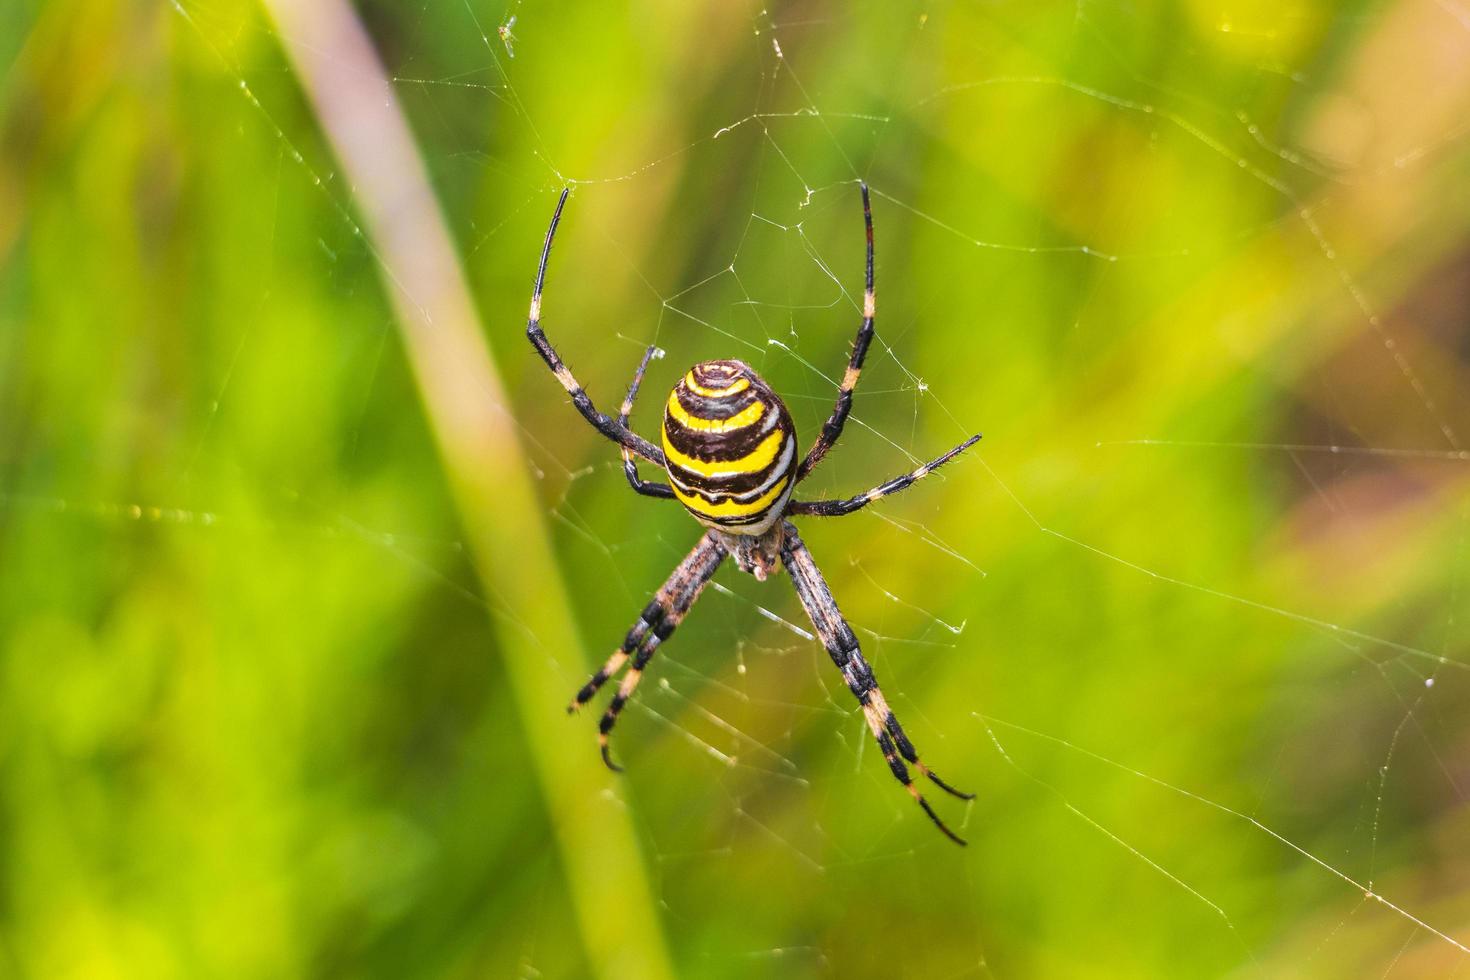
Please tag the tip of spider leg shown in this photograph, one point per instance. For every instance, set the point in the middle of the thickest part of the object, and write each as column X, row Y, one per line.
column 937, row 822
column 943, row 785
column 956, row 793
column 607, row 755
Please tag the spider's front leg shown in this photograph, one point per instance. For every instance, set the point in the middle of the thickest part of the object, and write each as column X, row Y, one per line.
column 842, row 645
column 655, row 624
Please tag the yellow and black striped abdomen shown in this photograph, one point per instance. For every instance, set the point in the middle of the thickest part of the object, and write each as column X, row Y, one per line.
column 731, row 447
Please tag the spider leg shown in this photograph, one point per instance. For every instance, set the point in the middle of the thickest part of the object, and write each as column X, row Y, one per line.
column 832, row 428
column 656, row 624
column 839, row 508
column 617, row 431
column 648, row 619
column 630, row 465
column 842, row 645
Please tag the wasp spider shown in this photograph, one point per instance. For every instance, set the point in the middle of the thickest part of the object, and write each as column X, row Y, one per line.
column 729, row 451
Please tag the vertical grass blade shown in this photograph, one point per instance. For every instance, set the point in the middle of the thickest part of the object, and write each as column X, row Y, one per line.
column 461, row 391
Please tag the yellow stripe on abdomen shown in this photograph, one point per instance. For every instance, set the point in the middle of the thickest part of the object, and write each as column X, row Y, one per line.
column 732, row 508
column 756, row 461
column 734, row 388
column 749, row 416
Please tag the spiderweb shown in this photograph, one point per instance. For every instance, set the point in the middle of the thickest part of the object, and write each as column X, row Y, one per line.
column 1188, row 620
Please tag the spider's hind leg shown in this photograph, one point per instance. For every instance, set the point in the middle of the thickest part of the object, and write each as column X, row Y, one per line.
column 618, row 432
column 832, row 429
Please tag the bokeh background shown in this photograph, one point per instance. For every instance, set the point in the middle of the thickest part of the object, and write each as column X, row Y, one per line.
column 282, row 697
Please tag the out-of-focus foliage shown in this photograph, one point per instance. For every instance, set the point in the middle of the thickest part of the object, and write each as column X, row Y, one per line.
column 1211, row 687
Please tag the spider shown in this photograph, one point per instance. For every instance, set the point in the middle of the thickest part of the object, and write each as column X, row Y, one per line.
column 729, row 451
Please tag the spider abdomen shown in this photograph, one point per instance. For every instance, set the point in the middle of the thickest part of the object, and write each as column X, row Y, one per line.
column 730, row 446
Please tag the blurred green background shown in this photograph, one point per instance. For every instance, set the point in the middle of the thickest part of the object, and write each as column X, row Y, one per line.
column 1191, row 621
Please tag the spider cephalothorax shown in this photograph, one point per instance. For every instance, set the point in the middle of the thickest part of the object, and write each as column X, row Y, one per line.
column 729, row 449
